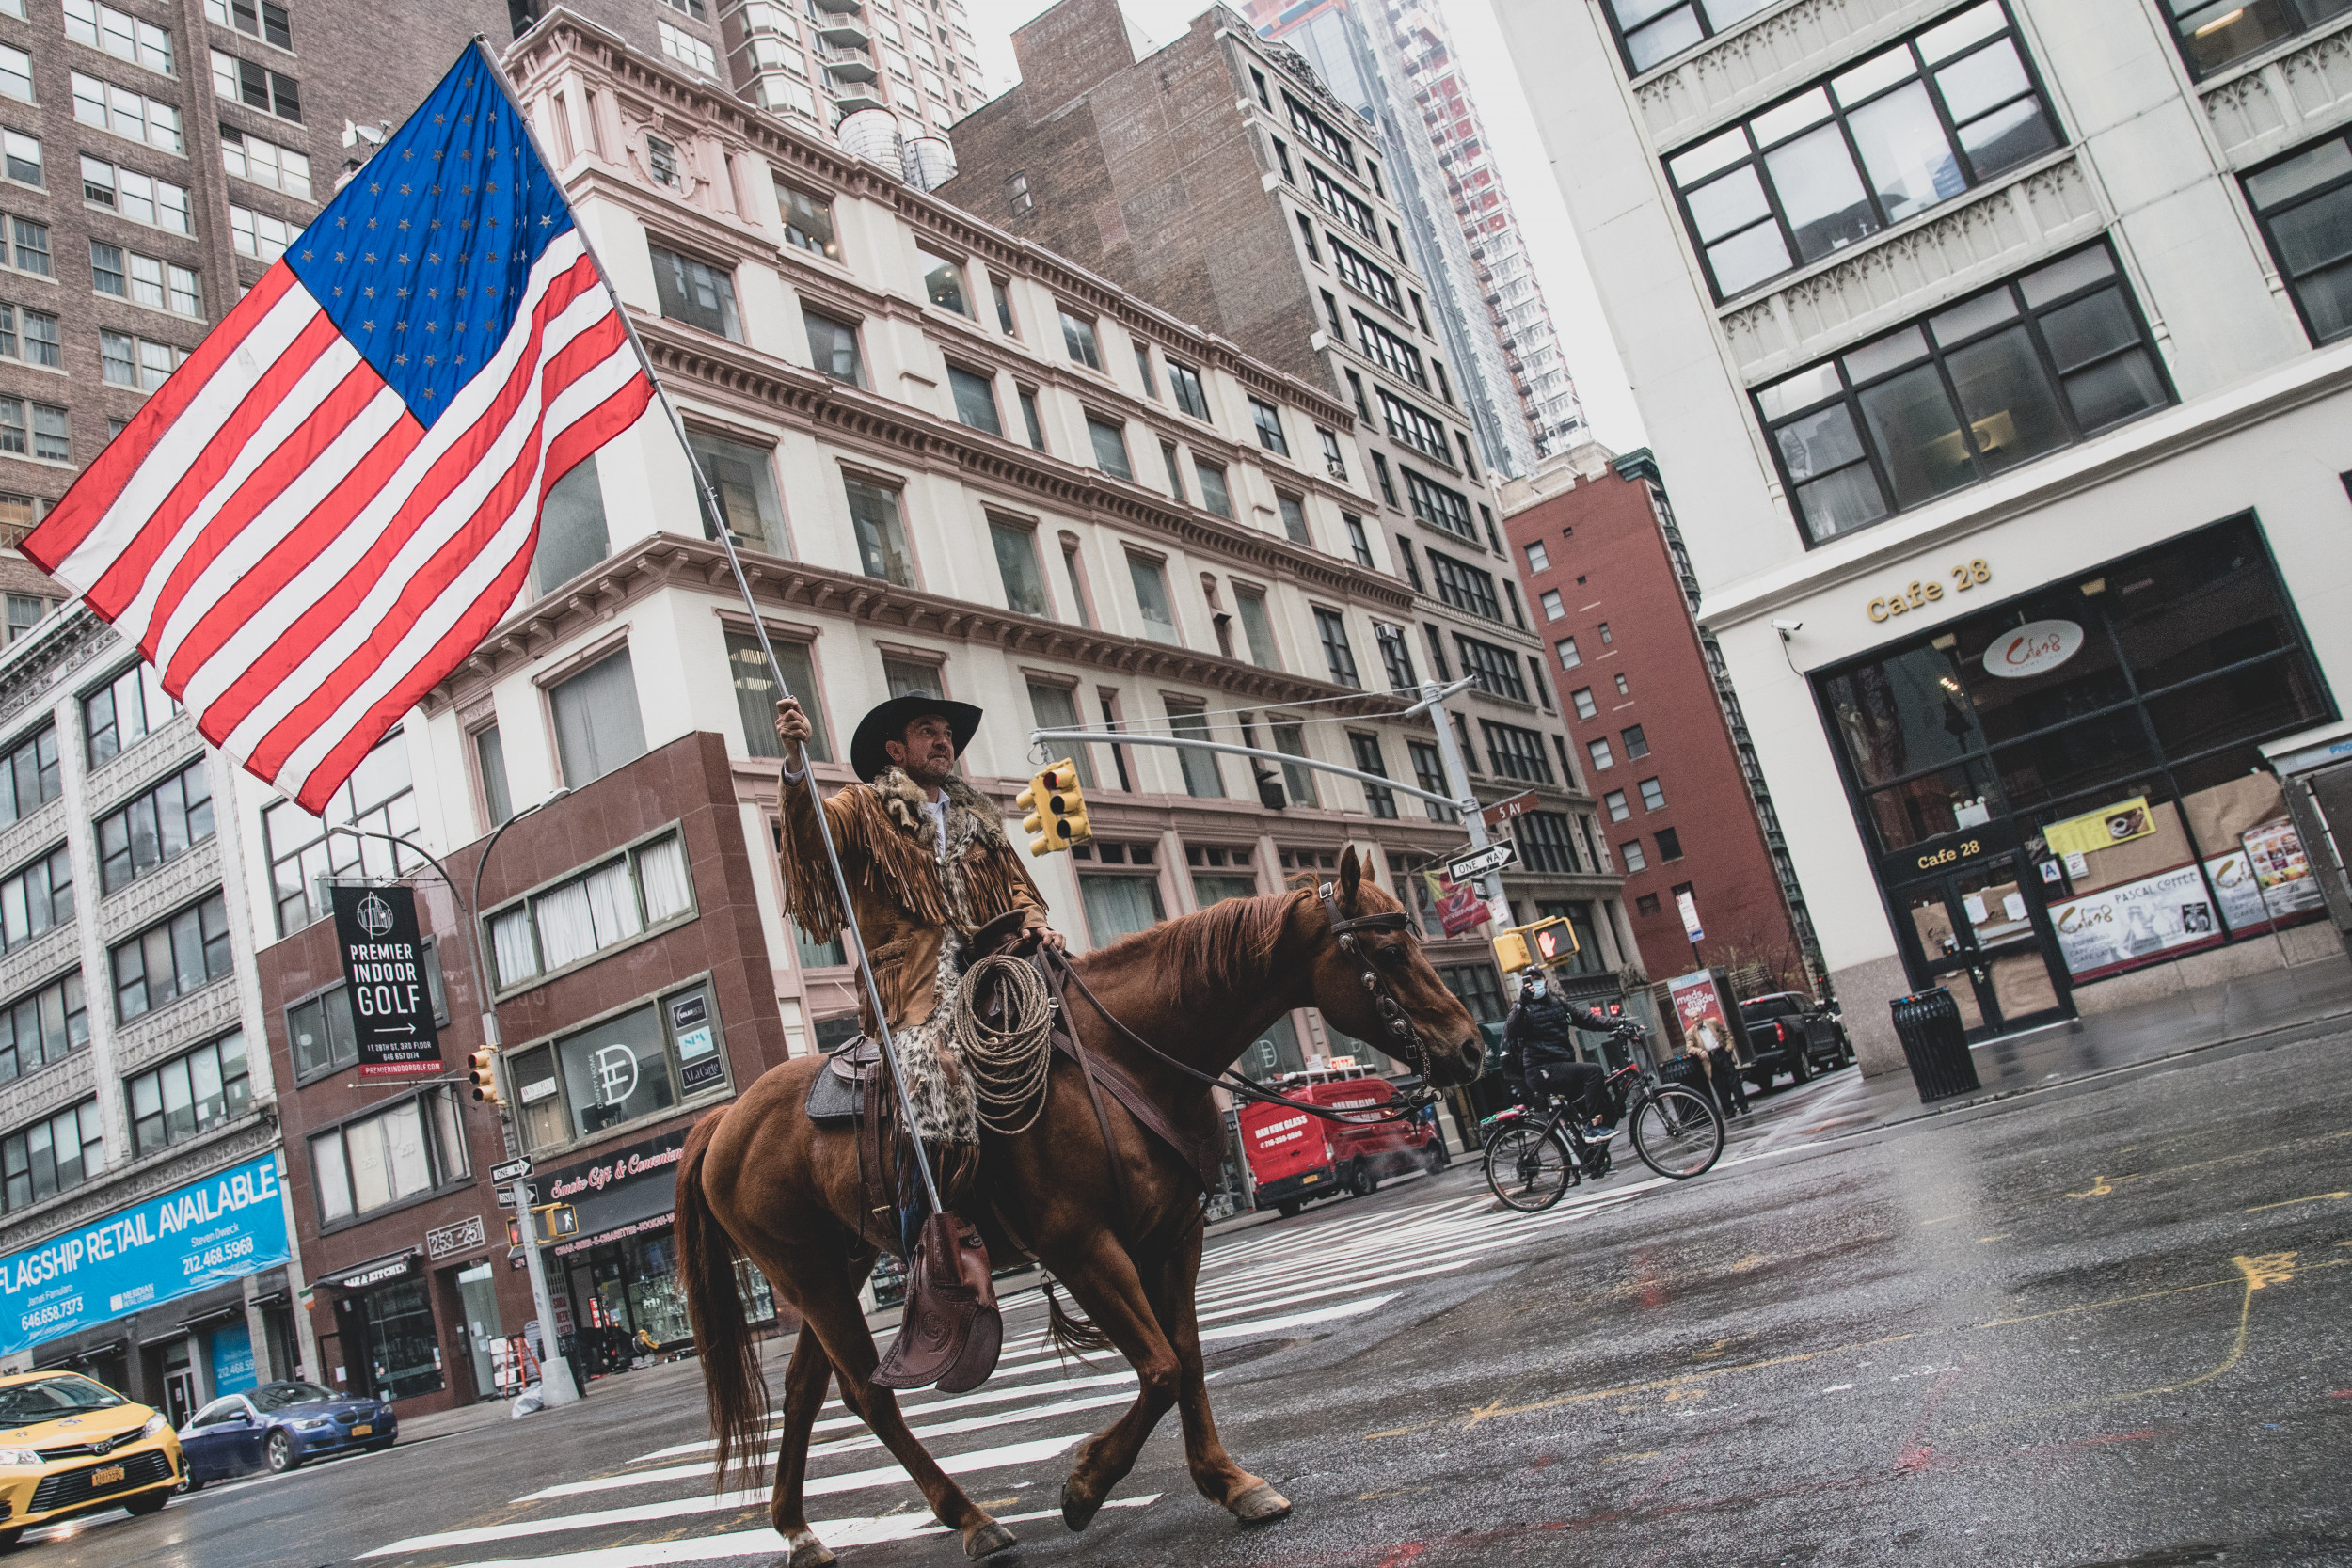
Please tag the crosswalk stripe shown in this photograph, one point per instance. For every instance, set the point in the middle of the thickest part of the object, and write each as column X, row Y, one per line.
column 960, row 1401
column 1328, row 1314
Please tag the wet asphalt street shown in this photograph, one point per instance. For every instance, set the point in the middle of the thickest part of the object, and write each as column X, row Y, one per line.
column 2106, row 1324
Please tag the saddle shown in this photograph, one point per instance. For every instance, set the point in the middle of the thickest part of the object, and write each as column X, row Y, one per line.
column 837, row 1094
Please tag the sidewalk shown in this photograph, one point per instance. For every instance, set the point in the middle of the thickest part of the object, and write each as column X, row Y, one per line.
column 2277, row 1002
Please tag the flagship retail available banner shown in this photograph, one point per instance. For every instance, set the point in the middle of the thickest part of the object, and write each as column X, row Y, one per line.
column 226, row 1226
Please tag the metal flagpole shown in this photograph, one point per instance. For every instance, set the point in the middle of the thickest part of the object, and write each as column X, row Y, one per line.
column 716, row 520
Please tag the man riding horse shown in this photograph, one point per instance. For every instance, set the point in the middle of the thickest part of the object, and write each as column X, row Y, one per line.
column 928, row 864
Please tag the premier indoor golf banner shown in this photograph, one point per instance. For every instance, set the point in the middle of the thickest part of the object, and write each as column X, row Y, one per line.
column 392, row 1007
column 209, row 1232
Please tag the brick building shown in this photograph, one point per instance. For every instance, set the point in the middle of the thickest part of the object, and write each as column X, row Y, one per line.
column 631, row 979
column 1654, row 720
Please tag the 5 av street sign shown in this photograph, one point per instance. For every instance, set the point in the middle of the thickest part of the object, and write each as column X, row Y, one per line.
column 1513, row 806
column 1462, row 868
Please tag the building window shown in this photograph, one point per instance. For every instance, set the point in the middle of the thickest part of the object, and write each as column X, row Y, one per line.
column 1341, row 203
column 1538, row 558
column 1184, row 383
column 125, row 711
column 1143, row 370
column 1636, row 743
column 597, row 726
column 1553, row 609
column 145, row 280
column 172, row 958
column 1622, row 687
column 1396, row 657
column 1414, row 428
column 744, row 480
column 1582, row 700
column 1603, row 629
column 1337, row 655
column 489, row 755
column 2019, row 370
column 1268, row 420
column 688, row 50
column 1379, row 801
column 1475, row 987
column 1631, row 852
column 188, row 1095
column 1028, row 418
column 1544, row 841
column 1152, row 601
column 976, row 399
column 1495, row 669
column 1017, row 568
column 1669, row 844
column 1121, row 905
column 31, row 254
column 661, row 158
column 161, row 205
column 1368, row 278
column 388, row 1157
column 2214, row 34
column 808, row 220
column 696, row 293
column 45, row 1026
column 127, row 361
column 1017, row 194
column 1570, row 657
column 1516, row 752
column 1175, row 471
column 153, row 828
column 16, row 69
column 281, row 169
column 756, row 693
column 35, row 897
column 256, row 234
column 1389, row 351
column 1109, row 439
column 1617, row 806
column 1056, row 708
column 265, row 20
column 1293, row 512
column 1077, row 337
column 1603, row 758
column 55, row 1154
column 943, row 281
column 1317, row 133
column 1646, row 904
column 1653, row 796
column 1429, row 772
column 1935, row 115
column 1291, row 741
column 1464, row 586
column 601, row 908
column 1214, row 496
column 1333, row 463
column 303, row 855
column 882, row 540
column 29, row 778
column 51, row 436
column 126, row 113
column 1257, row 629
column 20, row 158
column 1204, row 779
column 2304, row 204
column 1439, row 507
column 1076, row 573
column 1412, row 566
column 25, row 610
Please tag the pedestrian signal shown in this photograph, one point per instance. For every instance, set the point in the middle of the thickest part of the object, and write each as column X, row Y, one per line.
column 1056, row 807
column 1538, row 944
column 483, row 1066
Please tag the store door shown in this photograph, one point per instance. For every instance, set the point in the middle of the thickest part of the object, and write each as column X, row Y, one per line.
column 1979, row 933
column 477, row 1294
column 179, row 1400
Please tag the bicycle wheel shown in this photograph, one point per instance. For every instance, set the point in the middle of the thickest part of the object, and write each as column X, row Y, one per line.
column 1528, row 1169
column 1677, row 1133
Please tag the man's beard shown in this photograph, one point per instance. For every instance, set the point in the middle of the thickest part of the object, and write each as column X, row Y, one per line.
column 923, row 772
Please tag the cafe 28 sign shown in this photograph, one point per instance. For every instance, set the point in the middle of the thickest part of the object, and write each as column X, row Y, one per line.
column 2033, row 649
column 391, row 1005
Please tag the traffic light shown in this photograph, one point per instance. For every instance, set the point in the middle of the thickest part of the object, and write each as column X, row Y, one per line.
column 1056, row 807
column 1537, row 945
column 483, row 1066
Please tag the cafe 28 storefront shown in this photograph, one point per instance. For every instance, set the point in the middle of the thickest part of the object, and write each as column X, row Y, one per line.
column 2067, row 787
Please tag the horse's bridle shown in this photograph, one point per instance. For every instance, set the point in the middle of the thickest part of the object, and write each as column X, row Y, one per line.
column 1384, row 1002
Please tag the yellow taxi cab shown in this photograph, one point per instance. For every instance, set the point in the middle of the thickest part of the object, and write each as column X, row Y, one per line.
column 68, row 1445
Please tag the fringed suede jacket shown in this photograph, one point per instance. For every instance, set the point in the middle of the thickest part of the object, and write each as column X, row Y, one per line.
column 908, row 897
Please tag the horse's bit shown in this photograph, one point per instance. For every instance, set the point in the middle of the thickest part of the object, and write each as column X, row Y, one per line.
column 1384, row 1002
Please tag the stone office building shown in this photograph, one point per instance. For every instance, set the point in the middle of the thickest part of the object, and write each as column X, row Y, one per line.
column 1998, row 349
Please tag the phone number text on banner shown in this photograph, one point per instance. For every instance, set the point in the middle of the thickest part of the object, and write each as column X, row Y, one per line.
column 226, row 1226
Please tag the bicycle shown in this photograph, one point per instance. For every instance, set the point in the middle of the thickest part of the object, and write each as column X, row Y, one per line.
column 1674, row 1129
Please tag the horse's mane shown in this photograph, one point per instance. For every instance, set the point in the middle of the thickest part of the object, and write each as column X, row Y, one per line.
column 1200, row 951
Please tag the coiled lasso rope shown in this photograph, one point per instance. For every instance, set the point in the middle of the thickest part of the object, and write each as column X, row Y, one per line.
column 1008, row 1065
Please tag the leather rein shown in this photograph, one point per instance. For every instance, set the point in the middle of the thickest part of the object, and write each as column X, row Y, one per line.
column 1401, row 1108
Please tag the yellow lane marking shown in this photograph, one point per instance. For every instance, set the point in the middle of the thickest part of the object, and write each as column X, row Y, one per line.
column 2100, row 1187
column 2315, row 1197
column 2002, row 1237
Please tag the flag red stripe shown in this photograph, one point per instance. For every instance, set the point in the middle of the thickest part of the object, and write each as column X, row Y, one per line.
column 119, row 583
column 591, row 431
column 251, row 594
column 435, row 577
column 263, row 485
column 334, row 607
column 87, row 500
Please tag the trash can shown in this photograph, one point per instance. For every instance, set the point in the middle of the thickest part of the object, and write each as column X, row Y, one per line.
column 1690, row 1072
column 1935, row 1043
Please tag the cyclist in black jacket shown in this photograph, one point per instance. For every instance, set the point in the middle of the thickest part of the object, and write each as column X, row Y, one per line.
column 1539, row 1041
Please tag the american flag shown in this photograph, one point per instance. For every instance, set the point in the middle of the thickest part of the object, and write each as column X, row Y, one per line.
column 329, row 505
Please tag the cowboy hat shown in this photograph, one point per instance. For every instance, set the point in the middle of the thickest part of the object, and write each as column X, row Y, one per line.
column 889, row 722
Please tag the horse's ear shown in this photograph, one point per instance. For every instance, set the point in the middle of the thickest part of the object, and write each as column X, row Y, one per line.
column 1351, row 875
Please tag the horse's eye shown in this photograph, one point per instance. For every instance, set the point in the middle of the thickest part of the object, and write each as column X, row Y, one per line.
column 1393, row 956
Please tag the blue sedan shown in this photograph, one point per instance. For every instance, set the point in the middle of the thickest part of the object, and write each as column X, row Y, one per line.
column 277, row 1426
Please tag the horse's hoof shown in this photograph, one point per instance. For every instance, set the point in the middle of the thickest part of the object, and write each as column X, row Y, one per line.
column 1076, row 1512
column 986, row 1540
column 1261, row 1505
column 807, row 1552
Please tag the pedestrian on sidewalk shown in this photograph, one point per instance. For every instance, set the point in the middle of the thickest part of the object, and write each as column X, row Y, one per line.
column 1722, row 1068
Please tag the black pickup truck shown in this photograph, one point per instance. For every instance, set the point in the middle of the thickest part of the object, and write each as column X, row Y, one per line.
column 1789, row 1032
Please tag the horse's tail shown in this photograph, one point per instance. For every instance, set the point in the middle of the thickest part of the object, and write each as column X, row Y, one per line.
column 733, row 1387
column 1073, row 1333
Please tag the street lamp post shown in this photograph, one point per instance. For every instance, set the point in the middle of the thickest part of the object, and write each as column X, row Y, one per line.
column 555, row 1373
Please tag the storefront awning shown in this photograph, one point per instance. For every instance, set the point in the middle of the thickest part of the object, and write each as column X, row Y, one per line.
column 217, row 1315
column 376, row 1271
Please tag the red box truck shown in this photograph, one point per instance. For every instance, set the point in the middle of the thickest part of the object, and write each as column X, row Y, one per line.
column 1295, row 1156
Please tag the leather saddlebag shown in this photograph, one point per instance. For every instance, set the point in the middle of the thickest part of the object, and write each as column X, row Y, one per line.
column 951, row 1331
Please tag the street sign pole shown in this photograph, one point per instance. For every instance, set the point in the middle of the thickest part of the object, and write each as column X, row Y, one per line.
column 1458, row 779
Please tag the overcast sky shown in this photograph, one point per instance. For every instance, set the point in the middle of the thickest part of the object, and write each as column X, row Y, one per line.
column 1518, row 154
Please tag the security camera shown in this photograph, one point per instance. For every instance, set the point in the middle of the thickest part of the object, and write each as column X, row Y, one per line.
column 1786, row 628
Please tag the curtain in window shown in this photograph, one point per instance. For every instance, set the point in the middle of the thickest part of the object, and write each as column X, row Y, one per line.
column 510, row 942
column 567, row 926
column 1120, row 906
column 405, row 1160
column 661, row 871
column 612, row 904
column 371, row 1178
column 332, row 1179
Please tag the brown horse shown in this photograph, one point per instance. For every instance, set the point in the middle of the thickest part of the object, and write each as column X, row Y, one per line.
column 760, row 1178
